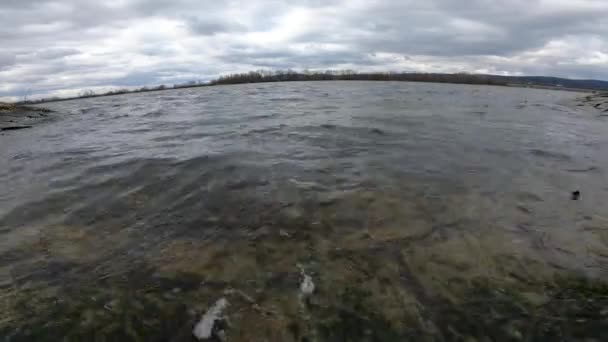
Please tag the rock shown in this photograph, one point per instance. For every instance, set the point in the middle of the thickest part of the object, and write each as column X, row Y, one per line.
column 293, row 213
column 11, row 107
column 515, row 334
column 7, row 107
column 284, row 234
column 14, row 128
column 330, row 198
column 576, row 195
column 588, row 169
column 16, row 117
column 308, row 286
column 535, row 298
column 204, row 328
column 112, row 305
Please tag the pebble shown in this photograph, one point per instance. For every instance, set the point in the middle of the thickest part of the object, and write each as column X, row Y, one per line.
column 111, row 306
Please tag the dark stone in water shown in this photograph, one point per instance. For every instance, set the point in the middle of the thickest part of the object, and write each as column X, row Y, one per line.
column 589, row 169
column 576, row 195
column 14, row 128
column 523, row 209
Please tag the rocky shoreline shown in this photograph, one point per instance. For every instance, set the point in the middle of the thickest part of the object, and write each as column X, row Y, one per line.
column 15, row 117
column 595, row 102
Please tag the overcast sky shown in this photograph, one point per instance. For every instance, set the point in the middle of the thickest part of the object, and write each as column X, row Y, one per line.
column 58, row 47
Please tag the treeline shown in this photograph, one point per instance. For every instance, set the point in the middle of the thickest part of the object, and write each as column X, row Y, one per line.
column 350, row 75
column 90, row 93
column 287, row 76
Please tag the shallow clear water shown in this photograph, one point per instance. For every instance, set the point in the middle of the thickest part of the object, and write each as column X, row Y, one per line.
column 404, row 192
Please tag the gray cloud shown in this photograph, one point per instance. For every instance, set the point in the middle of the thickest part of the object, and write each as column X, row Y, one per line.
column 55, row 53
column 210, row 26
column 58, row 47
column 7, row 60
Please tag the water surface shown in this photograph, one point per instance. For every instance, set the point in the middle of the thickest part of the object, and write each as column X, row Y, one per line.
column 407, row 204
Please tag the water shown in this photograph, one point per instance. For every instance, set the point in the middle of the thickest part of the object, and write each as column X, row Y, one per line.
column 128, row 216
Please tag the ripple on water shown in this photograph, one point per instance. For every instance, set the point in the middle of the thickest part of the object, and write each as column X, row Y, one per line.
column 155, row 113
column 236, row 196
column 550, row 155
column 288, row 99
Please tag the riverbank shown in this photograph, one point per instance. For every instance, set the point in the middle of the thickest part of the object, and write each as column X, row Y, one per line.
column 16, row 117
column 549, row 83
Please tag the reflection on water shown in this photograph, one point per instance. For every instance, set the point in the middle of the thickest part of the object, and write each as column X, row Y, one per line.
column 416, row 211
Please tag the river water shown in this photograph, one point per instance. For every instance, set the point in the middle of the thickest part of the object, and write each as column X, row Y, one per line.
column 406, row 205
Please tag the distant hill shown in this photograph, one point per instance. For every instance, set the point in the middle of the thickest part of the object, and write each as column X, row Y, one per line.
column 461, row 78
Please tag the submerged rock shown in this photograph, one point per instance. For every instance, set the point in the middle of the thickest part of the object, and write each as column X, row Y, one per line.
column 576, row 195
column 204, row 328
column 14, row 128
